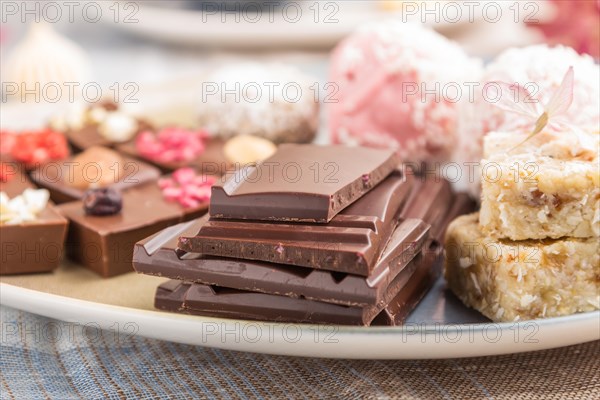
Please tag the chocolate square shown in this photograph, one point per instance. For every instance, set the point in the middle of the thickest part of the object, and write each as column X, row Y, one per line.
column 56, row 176
column 306, row 183
column 35, row 246
column 105, row 244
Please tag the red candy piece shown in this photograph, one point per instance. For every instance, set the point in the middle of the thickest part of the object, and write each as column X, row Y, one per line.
column 171, row 144
column 34, row 148
column 7, row 142
column 187, row 187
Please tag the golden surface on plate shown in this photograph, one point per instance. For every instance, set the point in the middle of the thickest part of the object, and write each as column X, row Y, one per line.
column 71, row 280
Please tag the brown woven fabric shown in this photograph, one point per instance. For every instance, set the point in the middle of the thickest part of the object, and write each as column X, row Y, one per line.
column 566, row 373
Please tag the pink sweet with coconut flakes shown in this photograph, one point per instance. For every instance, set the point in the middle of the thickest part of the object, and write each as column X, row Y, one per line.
column 398, row 89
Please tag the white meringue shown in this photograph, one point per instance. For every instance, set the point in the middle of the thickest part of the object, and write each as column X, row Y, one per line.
column 118, row 127
column 45, row 57
column 23, row 208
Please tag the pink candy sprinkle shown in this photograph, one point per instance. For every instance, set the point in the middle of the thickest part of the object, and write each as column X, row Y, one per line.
column 184, row 175
column 171, row 144
column 187, row 187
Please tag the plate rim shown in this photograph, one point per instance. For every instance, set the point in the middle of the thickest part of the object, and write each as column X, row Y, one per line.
column 319, row 35
column 105, row 315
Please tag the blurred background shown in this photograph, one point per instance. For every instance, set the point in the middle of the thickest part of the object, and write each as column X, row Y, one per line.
column 153, row 42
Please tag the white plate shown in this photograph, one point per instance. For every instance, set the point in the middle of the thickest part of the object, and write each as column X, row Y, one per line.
column 300, row 23
column 440, row 328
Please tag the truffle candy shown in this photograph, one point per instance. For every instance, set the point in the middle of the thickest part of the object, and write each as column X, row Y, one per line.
column 272, row 101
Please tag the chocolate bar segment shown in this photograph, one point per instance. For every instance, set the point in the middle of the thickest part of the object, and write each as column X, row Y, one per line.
column 105, row 244
column 35, row 246
column 399, row 308
column 56, row 178
column 158, row 255
column 302, row 183
column 351, row 242
column 231, row 303
column 32, row 246
column 170, row 296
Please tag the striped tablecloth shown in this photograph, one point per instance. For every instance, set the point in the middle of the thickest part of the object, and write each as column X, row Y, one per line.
column 47, row 359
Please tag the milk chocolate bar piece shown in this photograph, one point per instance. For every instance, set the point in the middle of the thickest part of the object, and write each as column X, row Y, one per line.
column 430, row 199
column 302, row 183
column 351, row 242
column 105, row 244
column 412, row 282
column 400, row 307
column 158, row 255
column 33, row 246
column 56, row 178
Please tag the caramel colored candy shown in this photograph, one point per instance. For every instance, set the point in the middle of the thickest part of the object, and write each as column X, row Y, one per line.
column 96, row 167
column 247, row 149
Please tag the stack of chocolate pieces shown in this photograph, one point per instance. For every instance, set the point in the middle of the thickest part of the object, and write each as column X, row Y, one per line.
column 317, row 234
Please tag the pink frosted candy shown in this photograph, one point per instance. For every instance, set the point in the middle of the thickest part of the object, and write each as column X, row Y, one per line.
column 184, row 176
column 171, row 144
column 389, row 81
column 172, row 193
column 186, row 187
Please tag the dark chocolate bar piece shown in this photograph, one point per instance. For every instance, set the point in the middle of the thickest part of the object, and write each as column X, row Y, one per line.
column 351, row 242
column 170, row 295
column 399, row 308
column 302, row 183
column 214, row 301
column 158, row 255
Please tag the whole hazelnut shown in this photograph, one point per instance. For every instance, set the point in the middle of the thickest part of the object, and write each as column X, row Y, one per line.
column 248, row 149
column 96, row 167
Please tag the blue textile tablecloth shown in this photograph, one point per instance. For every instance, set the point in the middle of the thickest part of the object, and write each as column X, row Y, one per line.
column 47, row 359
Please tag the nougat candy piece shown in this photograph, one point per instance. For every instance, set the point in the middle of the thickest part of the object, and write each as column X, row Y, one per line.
column 511, row 281
column 551, row 192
